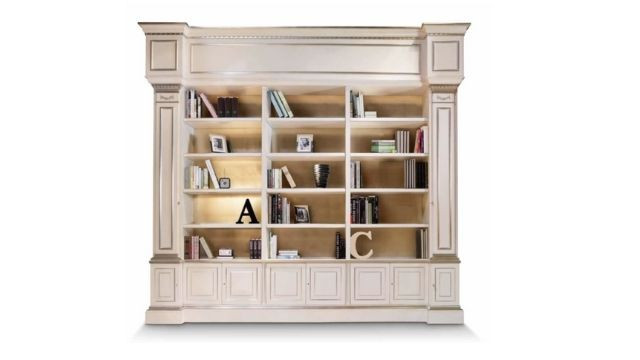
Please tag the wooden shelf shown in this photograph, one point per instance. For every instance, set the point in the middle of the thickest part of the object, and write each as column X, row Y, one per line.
column 225, row 156
column 225, row 123
column 221, row 226
column 305, row 226
column 388, row 226
column 317, row 156
column 311, row 259
column 221, row 191
column 398, row 156
column 377, row 123
column 306, row 122
column 307, row 191
column 388, row 191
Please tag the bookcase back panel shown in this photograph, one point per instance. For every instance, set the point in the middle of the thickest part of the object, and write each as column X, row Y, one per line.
column 223, row 208
column 324, row 140
column 309, row 242
column 318, row 205
column 238, row 140
column 244, row 174
column 314, row 105
column 382, row 174
column 236, row 239
column 389, row 243
column 402, row 208
column 395, row 106
column 361, row 138
column 302, row 172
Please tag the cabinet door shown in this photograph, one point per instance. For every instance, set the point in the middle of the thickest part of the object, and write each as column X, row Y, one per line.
column 444, row 281
column 202, row 284
column 408, row 284
column 369, row 284
column 325, row 284
column 165, row 285
column 285, row 284
column 242, row 284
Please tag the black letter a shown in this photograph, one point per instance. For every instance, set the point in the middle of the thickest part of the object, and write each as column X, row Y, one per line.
column 247, row 210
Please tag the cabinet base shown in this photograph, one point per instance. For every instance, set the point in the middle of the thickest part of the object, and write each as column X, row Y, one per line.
column 303, row 315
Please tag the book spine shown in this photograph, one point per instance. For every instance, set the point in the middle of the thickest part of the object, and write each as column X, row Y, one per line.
column 286, row 104
column 221, row 109
column 234, row 106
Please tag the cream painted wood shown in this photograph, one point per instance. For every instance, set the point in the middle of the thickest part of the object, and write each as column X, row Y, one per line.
column 326, row 284
column 369, row 284
column 444, row 282
column 285, row 284
column 443, row 214
column 164, row 57
column 409, row 284
column 202, row 284
column 242, row 284
column 445, row 59
column 165, row 174
column 165, row 285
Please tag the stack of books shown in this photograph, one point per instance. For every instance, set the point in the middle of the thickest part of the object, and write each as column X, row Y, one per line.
column 383, row 146
column 415, row 174
column 422, row 141
column 357, row 104
column 194, row 104
column 196, row 247
column 255, row 249
column 225, row 254
column 288, row 254
column 228, row 106
column 196, row 178
column 364, row 209
column 422, row 244
column 274, row 178
column 356, row 174
column 402, row 141
column 279, row 209
column 280, row 103
column 340, row 246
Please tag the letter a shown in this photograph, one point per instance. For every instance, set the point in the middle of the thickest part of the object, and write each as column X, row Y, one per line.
column 247, row 210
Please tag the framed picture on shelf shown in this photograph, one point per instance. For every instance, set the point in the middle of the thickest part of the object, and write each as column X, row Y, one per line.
column 302, row 214
column 218, row 143
column 304, row 143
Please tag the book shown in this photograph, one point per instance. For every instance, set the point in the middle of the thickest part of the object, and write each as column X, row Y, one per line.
column 205, row 247
column 214, row 178
column 275, row 104
column 227, row 107
column 288, row 176
column 199, row 107
column 365, row 209
column 234, row 107
column 273, row 246
column 283, row 110
column 205, row 179
column 208, row 105
column 286, row 104
column 221, row 109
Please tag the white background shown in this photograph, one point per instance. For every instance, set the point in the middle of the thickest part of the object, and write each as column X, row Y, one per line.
column 548, row 189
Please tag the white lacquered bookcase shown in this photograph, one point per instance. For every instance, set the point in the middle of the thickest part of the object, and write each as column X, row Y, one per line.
column 409, row 76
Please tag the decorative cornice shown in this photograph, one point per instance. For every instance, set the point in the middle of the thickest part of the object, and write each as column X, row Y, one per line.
column 166, row 87
column 444, row 88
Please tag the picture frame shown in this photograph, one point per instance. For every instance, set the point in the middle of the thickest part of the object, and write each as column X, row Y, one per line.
column 218, row 143
column 302, row 214
column 304, row 143
column 225, row 183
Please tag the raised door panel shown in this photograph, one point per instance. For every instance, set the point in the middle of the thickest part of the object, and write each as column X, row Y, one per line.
column 165, row 286
column 325, row 284
column 444, row 280
column 443, row 222
column 445, row 63
column 408, row 284
column 285, row 284
column 369, row 284
column 242, row 284
column 202, row 284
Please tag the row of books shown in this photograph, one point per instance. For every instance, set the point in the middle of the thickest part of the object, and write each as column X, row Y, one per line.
column 227, row 105
column 280, row 103
column 421, row 145
column 415, row 174
column 422, row 244
column 196, row 247
column 356, row 174
column 197, row 178
column 288, row 254
column 341, row 250
column 279, row 209
column 255, row 249
column 402, row 141
column 383, row 146
column 357, row 104
column 364, row 209
column 274, row 178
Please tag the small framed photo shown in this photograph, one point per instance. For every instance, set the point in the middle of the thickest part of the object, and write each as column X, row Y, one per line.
column 304, row 143
column 218, row 143
column 225, row 183
column 302, row 214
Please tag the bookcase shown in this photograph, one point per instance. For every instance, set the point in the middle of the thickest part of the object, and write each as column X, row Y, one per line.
column 408, row 76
